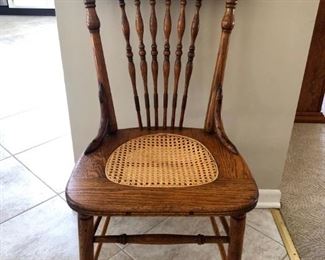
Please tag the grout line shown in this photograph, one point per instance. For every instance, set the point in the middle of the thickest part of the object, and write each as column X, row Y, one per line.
column 24, row 165
column 127, row 254
column 38, row 145
column 9, row 154
column 119, row 251
column 285, row 235
column 57, row 193
column 35, row 146
column 265, row 234
column 36, row 205
column 17, row 113
column 284, row 257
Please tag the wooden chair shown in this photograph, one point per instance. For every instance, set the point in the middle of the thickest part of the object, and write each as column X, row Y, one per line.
column 161, row 170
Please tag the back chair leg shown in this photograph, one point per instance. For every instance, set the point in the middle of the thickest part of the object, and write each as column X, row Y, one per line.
column 236, row 233
column 86, row 229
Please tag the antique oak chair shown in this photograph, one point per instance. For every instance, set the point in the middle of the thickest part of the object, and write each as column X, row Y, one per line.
column 163, row 170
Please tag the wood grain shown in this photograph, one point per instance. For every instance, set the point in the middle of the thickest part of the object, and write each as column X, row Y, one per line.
column 85, row 228
column 91, row 193
column 237, row 230
column 143, row 62
column 313, row 85
column 179, row 53
column 161, row 239
column 154, row 54
column 190, row 55
column 166, row 65
column 213, row 120
column 107, row 119
column 129, row 54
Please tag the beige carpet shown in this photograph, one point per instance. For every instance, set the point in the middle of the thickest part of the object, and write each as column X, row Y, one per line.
column 303, row 190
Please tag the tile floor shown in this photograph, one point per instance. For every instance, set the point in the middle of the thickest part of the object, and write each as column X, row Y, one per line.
column 36, row 160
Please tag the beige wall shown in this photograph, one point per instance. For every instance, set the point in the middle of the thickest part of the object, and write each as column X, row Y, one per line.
column 266, row 63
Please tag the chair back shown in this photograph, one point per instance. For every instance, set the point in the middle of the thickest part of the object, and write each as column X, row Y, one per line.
column 213, row 122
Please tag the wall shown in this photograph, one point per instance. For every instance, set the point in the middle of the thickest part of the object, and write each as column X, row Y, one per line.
column 266, row 63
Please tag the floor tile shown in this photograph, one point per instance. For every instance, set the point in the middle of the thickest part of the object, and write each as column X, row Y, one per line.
column 120, row 256
column 20, row 190
column 178, row 225
column 25, row 80
column 3, row 154
column 262, row 220
column 257, row 246
column 48, row 231
column 62, row 195
column 131, row 225
column 26, row 130
column 52, row 162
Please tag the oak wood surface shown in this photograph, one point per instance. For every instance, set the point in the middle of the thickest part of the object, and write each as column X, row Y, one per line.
column 178, row 61
column 313, row 85
column 166, row 64
column 190, row 55
column 108, row 122
column 233, row 192
column 213, row 120
column 85, row 228
column 90, row 193
column 237, row 230
column 154, row 54
column 162, row 239
column 139, row 25
column 131, row 66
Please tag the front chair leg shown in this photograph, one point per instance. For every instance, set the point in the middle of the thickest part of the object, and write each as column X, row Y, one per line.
column 236, row 233
column 86, row 229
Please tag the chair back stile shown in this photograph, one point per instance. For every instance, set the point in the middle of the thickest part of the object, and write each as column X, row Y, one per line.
column 108, row 122
column 213, row 121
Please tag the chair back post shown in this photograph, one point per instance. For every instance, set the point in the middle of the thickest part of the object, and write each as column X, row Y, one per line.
column 213, row 120
column 108, row 122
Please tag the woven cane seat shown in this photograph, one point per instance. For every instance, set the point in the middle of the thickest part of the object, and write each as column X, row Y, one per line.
column 161, row 160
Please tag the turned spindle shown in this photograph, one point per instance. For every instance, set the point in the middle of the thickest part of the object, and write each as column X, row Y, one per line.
column 129, row 54
column 190, row 55
column 178, row 62
column 166, row 65
column 154, row 54
column 143, row 62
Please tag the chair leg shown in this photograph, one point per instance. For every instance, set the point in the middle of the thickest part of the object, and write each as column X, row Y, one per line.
column 237, row 229
column 86, row 229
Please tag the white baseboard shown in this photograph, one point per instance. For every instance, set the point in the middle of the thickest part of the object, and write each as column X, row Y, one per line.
column 269, row 199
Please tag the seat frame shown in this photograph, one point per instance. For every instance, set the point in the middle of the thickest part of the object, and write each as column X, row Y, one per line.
column 85, row 187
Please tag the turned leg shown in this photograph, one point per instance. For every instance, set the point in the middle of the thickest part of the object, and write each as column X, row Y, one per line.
column 86, row 245
column 236, row 233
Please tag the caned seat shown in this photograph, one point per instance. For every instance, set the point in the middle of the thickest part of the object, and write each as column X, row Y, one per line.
column 92, row 192
column 161, row 160
column 159, row 169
